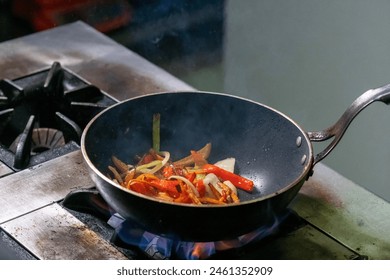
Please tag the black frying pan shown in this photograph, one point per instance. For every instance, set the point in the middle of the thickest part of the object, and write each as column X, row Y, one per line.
column 269, row 147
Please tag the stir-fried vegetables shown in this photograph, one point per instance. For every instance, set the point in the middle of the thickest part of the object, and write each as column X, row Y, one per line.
column 189, row 180
column 236, row 180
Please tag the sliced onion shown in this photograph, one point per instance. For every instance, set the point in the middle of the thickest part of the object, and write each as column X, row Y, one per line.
column 212, row 179
column 185, row 180
column 167, row 156
column 144, row 168
column 227, row 164
column 231, row 186
column 156, row 164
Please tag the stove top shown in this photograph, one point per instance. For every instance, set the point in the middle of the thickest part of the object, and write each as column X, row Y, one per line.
column 51, row 209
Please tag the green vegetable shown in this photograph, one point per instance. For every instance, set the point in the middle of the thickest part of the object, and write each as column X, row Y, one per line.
column 156, row 132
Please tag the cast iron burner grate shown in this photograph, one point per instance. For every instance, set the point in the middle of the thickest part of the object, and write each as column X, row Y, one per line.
column 42, row 115
column 129, row 235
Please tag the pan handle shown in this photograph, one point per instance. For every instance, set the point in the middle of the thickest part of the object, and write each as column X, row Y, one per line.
column 338, row 129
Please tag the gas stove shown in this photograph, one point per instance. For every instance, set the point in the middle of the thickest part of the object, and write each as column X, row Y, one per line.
column 52, row 83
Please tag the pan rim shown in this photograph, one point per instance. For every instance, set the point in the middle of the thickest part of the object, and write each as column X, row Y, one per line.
column 308, row 165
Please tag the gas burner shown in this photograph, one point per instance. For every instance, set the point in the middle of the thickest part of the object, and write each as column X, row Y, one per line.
column 45, row 111
column 43, row 139
column 130, row 235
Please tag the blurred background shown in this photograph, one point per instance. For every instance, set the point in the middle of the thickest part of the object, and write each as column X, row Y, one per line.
column 307, row 58
column 180, row 36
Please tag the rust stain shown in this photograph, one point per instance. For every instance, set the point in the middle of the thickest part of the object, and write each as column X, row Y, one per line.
column 321, row 193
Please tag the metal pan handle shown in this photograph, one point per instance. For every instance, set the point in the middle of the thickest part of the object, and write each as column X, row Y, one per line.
column 338, row 129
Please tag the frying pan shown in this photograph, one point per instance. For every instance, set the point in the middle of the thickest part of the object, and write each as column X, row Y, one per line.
column 269, row 147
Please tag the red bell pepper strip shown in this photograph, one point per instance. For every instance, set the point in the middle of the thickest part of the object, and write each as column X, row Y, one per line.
column 190, row 176
column 237, row 180
column 141, row 187
column 168, row 171
column 168, row 186
column 199, row 184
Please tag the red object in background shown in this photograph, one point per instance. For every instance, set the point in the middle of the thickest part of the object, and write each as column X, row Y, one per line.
column 104, row 15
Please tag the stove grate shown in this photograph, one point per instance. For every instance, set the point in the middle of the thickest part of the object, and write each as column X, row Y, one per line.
column 54, row 103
